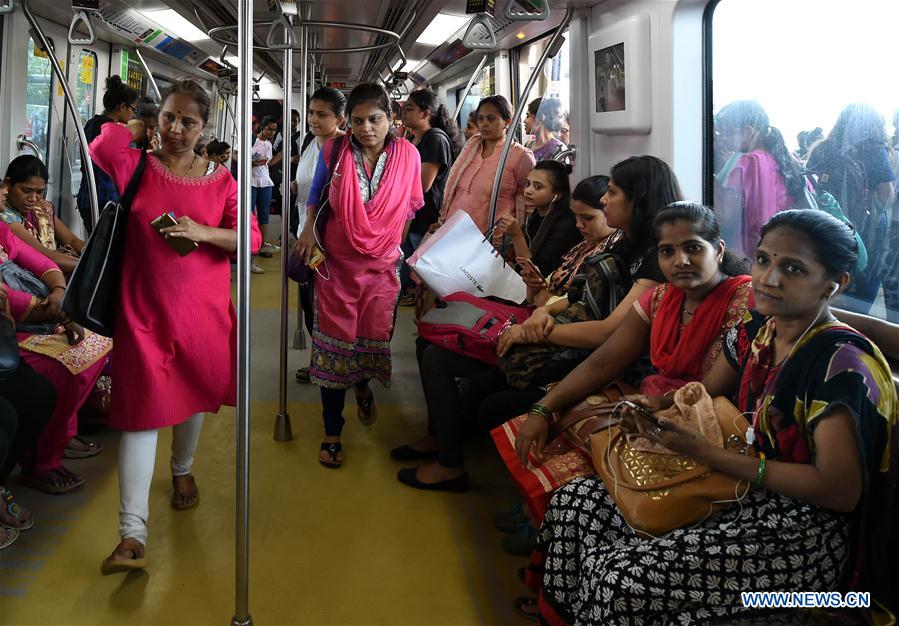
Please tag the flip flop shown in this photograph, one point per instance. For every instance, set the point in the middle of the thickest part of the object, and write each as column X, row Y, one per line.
column 93, row 449
column 366, row 410
column 113, row 564
column 332, row 448
column 14, row 510
column 180, row 505
column 11, row 534
column 42, row 484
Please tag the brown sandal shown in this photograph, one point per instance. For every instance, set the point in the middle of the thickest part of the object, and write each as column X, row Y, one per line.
column 113, row 564
column 179, row 503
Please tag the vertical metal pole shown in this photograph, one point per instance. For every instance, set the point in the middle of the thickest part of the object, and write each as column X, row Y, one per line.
column 519, row 109
column 299, row 335
column 244, row 112
column 283, row 431
column 86, row 162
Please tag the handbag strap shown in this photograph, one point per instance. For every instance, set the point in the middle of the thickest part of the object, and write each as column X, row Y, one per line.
column 134, row 182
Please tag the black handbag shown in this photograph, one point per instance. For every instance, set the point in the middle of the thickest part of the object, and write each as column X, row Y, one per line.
column 92, row 294
column 9, row 348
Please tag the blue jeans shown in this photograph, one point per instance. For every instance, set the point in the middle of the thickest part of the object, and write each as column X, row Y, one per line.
column 262, row 203
column 409, row 247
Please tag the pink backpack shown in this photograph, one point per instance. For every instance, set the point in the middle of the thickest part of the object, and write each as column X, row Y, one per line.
column 470, row 325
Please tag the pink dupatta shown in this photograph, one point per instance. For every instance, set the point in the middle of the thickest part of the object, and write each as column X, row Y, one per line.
column 375, row 228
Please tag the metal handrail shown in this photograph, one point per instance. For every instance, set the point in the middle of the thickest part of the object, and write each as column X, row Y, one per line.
column 215, row 35
column 290, row 39
column 568, row 153
column 551, row 50
column 244, row 109
column 24, row 142
column 70, row 103
column 283, row 430
column 471, row 82
column 143, row 63
column 526, row 16
column 7, row 6
column 468, row 40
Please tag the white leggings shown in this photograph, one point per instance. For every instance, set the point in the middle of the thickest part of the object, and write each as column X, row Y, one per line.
column 137, row 457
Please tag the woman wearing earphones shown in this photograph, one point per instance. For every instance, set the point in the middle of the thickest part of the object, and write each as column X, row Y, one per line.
column 550, row 229
column 823, row 411
column 470, row 182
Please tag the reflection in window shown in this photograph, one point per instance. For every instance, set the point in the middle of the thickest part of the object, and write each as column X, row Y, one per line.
column 546, row 123
column 485, row 86
column 37, row 97
column 85, row 95
column 800, row 122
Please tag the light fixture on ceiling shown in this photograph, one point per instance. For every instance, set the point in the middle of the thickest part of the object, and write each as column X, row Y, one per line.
column 441, row 28
column 520, row 34
column 172, row 22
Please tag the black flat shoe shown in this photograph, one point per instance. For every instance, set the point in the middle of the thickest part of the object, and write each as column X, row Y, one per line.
column 457, row 485
column 408, row 453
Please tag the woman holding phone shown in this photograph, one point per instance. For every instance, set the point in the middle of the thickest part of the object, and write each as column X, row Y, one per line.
column 175, row 332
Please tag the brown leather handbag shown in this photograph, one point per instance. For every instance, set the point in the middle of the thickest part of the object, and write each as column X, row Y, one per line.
column 592, row 414
column 657, row 493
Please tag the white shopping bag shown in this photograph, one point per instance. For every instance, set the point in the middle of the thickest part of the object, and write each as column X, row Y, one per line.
column 457, row 258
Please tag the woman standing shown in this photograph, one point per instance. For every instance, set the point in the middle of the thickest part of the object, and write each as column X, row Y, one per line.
column 119, row 103
column 544, row 120
column 438, row 142
column 374, row 190
column 470, row 182
column 263, row 186
column 175, row 334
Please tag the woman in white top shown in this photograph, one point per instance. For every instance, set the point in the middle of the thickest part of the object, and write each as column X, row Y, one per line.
column 262, row 182
column 324, row 117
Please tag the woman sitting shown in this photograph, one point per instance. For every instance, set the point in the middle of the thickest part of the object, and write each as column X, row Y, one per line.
column 823, row 410
column 439, row 367
column 57, row 349
column 551, row 228
column 31, row 217
column 682, row 323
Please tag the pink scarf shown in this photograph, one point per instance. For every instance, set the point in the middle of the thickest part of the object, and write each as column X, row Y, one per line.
column 375, row 228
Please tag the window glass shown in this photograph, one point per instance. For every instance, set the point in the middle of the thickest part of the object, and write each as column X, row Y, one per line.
column 483, row 87
column 38, row 97
column 548, row 130
column 805, row 114
column 85, row 95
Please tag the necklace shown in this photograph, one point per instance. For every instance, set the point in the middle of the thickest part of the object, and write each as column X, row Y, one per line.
column 186, row 172
column 686, row 312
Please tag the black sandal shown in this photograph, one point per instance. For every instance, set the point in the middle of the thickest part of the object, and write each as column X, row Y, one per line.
column 366, row 410
column 332, row 448
column 528, row 607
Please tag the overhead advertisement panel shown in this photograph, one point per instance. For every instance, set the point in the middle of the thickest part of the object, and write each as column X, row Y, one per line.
column 144, row 32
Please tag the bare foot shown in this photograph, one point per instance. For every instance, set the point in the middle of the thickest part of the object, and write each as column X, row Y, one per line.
column 186, row 495
column 435, row 473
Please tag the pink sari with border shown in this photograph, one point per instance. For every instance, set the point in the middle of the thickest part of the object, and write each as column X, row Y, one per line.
column 358, row 285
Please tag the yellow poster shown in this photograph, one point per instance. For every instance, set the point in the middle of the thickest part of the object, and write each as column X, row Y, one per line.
column 87, row 69
column 62, row 66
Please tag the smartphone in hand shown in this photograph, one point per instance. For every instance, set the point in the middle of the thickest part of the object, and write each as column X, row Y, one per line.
column 641, row 411
column 179, row 244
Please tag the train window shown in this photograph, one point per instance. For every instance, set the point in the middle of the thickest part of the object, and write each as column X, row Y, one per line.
column 38, row 97
column 550, row 128
column 485, row 86
column 85, row 94
column 800, row 122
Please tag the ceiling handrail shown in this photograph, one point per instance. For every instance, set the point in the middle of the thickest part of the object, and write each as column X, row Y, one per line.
column 522, row 15
column 74, row 38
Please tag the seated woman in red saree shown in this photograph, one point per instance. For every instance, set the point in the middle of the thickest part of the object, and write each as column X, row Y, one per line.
column 374, row 192
column 63, row 352
column 682, row 322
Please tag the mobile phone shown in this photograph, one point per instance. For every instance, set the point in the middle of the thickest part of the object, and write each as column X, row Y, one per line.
column 642, row 411
column 316, row 257
column 179, row 244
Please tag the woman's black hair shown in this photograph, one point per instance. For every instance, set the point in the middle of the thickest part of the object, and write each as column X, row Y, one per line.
column 558, row 176
column 591, row 190
column 550, row 114
column 24, row 167
column 118, row 93
column 147, row 108
column 268, row 119
column 743, row 113
column 832, row 240
column 704, row 222
column 194, row 91
column 500, row 104
column 650, row 185
column 333, row 98
column 534, row 106
column 199, row 147
column 216, row 147
column 375, row 95
column 867, row 122
column 427, row 100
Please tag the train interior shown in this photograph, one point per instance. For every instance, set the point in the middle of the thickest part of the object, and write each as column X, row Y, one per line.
column 354, row 546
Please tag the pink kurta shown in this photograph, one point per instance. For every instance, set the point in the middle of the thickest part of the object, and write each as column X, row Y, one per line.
column 175, row 334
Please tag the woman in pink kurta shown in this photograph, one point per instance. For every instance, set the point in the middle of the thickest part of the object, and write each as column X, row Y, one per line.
column 374, row 192
column 470, row 182
column 175, row 332
column 62, row 354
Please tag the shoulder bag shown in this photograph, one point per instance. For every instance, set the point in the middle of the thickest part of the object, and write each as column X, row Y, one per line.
column 92, row 294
